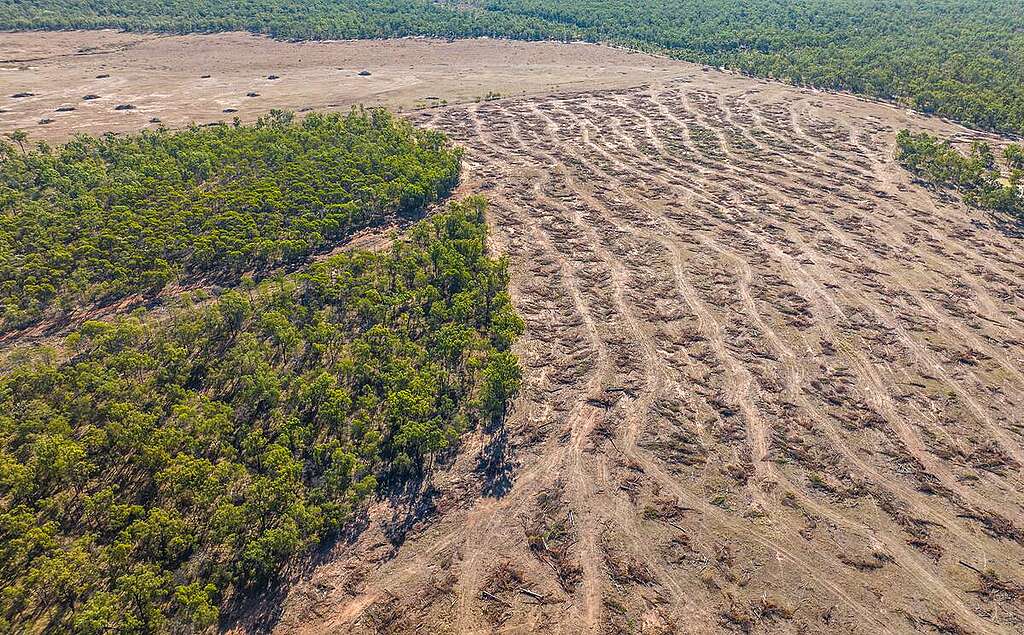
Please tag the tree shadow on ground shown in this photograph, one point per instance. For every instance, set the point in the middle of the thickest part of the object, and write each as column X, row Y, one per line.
column 412, row 500
column 410, row 511
column 1009, row 226
column 495, row 465
column 258, row 609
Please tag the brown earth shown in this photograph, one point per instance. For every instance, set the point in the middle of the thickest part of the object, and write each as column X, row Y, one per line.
column 771, row 385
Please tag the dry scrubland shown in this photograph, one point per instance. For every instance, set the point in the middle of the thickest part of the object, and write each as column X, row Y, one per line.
column 771, row 384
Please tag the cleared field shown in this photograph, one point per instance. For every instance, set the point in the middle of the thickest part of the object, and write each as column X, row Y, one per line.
column 207, row 78
column 772, row 386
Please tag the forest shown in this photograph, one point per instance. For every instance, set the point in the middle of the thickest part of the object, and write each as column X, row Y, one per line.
column 152, row 471
column 976, row 175
column 98, row 219
column 961, row 59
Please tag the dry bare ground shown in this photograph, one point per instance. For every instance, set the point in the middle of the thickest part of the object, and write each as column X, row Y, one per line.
column 73, row 81
column 772, row 386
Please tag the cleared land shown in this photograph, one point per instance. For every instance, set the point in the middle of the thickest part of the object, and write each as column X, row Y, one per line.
column 207, row 78
column 772, row 385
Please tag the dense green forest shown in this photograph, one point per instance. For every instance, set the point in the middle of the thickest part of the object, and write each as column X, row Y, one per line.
column 977, row 174
column 959, row 58
column 100, row 218
column 162, row 467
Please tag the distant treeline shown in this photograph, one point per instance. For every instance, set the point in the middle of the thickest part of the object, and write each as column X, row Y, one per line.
column 165, row 467
column 963, row 59
column 977, row 175
column 101, row 218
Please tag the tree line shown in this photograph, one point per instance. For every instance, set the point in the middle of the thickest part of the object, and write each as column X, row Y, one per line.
column 977, row 174
column 957, row 58
column 101, row 218
column 151, row 471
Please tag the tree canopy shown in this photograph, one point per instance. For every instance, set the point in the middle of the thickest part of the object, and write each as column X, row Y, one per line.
column 97, row 219
column 976, row 175
column 959, row 58
column 150, row 470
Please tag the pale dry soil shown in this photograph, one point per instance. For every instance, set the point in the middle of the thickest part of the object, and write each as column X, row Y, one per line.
column 771, row 384
column 196, row 78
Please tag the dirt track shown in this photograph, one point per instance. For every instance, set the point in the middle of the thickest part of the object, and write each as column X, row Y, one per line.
column 772, row 385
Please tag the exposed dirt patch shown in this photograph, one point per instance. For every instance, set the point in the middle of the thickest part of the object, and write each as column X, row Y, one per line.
column 209, row 78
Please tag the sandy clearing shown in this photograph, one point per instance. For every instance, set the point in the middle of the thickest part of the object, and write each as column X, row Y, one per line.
column 163, row 76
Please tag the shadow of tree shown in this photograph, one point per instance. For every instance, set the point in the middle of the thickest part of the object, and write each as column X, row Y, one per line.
column 495, row 465
column 258, row 608
column 419, row 506
column 1009, row 226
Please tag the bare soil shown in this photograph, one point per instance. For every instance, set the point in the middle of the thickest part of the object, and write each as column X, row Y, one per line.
column 208, row 78
column 772, row 385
